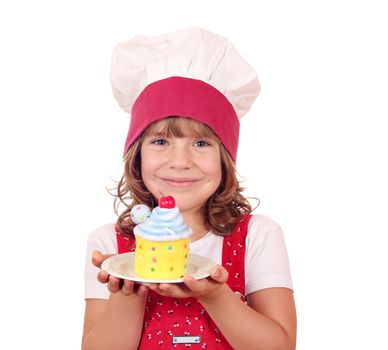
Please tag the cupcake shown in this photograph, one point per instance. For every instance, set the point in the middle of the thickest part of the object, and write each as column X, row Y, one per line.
column 162, row 241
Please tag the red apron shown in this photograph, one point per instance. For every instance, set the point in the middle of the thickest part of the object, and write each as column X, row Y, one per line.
column 184, row 323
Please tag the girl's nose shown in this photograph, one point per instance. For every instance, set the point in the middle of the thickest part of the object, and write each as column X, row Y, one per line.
column 180, row 157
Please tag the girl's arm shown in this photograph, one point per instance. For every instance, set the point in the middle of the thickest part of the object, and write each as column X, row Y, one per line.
column 269, row 322
column 115, row 323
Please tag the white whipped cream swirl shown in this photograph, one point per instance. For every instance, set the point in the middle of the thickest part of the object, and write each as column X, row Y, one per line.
column 164, row 224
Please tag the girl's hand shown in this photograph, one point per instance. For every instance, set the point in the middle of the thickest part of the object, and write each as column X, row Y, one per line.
column 116, row 284
column 204, row 289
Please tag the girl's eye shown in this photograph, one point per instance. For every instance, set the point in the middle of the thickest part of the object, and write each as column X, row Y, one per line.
column 160, row 142
column 201, row 143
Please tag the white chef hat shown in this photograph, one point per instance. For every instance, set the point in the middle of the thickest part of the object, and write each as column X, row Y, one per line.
column 189, row 73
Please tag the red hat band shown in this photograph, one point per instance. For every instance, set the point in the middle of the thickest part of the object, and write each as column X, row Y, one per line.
column 185, row 97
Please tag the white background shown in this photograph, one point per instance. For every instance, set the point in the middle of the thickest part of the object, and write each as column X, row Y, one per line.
column 313, row 149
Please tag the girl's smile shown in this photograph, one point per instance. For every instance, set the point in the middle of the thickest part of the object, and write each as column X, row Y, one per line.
column 180, row 182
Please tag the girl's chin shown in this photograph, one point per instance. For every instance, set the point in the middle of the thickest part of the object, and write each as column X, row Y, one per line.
column 185, row 204
column 185, row 201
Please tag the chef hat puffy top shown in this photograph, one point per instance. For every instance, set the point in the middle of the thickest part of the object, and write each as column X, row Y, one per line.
column 192, row 53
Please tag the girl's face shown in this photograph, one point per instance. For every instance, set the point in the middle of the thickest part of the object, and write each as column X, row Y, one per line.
column 187, row 168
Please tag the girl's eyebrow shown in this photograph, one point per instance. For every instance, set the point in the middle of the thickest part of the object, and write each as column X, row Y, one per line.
column 163, row 133
column 155, row 133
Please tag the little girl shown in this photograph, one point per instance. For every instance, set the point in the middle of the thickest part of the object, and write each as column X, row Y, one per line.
column 186, row 92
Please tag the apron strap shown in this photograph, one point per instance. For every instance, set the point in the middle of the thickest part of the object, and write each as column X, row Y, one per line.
column 233, row 255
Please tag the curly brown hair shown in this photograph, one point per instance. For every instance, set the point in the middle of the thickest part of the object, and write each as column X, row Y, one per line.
column 221, row 211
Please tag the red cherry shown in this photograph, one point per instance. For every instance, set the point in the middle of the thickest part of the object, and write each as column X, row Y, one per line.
column 167, row 202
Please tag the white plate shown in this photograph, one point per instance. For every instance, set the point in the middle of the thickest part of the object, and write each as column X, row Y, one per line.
column 122, row 266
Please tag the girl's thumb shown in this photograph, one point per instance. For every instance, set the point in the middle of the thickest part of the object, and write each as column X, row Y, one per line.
column 220, row 274
column 98, row 258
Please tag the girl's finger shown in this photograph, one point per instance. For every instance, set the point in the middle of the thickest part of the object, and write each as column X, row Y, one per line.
column 103, row 276
column 219, row 274
column 98, row 258
column 155, row 288
column 127, row 288
column 142, row 290
column 192, row 283
column 166, row 289
column 113, row 284
column 152, row 286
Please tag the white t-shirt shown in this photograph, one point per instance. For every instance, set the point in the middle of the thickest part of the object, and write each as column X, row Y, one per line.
column 266, row 259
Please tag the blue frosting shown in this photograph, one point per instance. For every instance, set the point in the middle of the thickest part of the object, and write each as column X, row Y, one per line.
column 164, row 224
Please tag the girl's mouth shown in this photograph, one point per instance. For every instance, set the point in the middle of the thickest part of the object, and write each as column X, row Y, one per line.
column 179, row 182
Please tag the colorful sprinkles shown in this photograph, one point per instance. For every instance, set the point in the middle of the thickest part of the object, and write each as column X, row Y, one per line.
column 164, row 260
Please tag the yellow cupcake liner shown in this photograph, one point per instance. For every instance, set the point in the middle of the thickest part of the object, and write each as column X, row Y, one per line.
column 161, row 260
